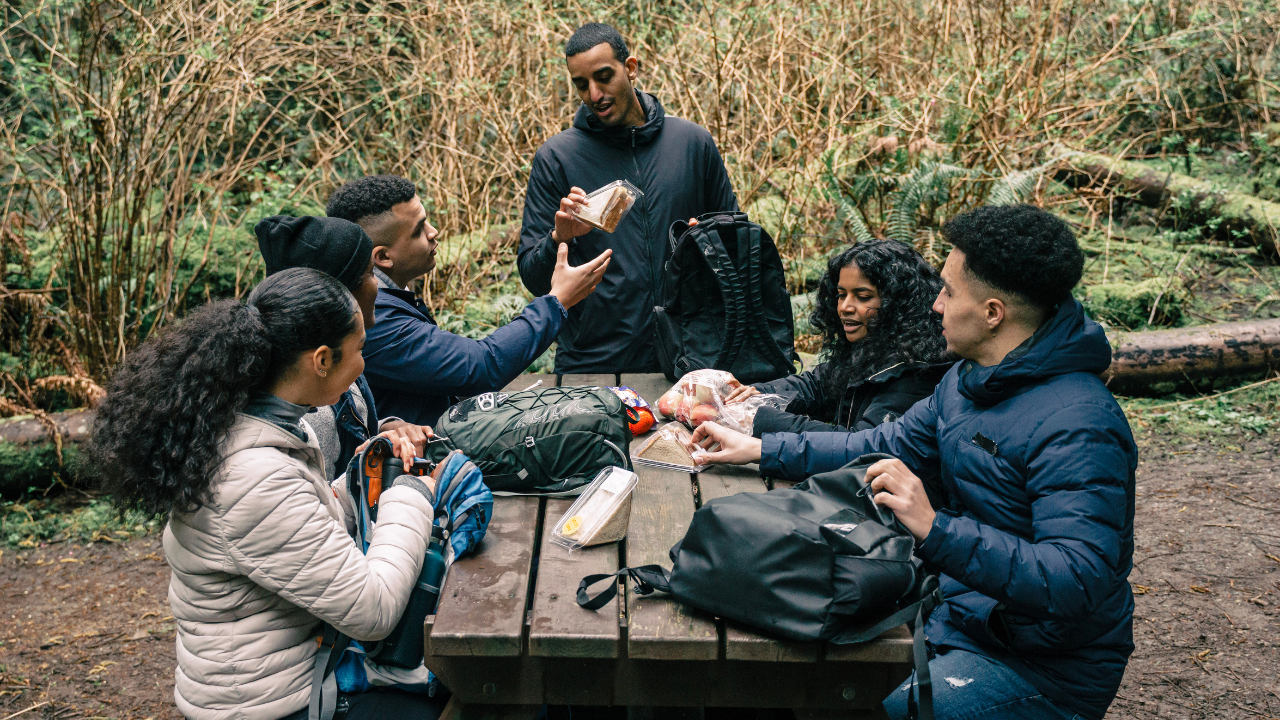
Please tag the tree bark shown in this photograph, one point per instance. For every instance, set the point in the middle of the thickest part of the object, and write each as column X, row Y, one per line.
column 1255, row 218
column 1140, row 359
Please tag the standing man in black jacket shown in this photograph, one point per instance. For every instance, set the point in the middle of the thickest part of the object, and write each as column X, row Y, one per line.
column 618, row 133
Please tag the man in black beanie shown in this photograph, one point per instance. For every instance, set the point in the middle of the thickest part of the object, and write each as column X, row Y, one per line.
column 343, row 251
column 333, row 246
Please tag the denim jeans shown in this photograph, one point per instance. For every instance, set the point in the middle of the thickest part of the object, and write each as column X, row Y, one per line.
column 969, row 685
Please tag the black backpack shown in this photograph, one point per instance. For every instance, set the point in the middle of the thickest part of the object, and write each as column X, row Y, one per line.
column 725, row 304
column 549, row 441
column 816, row 562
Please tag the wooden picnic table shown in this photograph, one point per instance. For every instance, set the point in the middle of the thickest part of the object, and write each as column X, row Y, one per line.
column 508, row 635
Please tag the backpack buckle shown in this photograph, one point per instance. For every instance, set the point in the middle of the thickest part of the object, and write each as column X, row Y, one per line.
column 529, row 441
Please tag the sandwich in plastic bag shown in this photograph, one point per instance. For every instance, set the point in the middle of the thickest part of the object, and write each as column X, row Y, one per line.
column 607, row 206
column 668, row 449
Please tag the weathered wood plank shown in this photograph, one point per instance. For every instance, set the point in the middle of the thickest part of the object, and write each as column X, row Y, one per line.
column 600, row 380
column 668, row 683
column 724, row 480
column 559, row 627
column 481, row 610
column 457, row 710
column 659, row 627
column 524, row 381
column 649, row 386
column 892, row 647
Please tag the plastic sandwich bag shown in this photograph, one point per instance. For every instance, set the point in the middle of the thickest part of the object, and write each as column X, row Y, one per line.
column 606, row 206
column 699, row 397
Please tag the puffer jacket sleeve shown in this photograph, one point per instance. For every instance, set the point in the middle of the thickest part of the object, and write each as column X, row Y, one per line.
column 282, row 537
column 912, row 439
column 1079, row 467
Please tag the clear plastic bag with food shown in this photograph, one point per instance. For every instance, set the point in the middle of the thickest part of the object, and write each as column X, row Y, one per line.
column 601, row 513
column 606, row 206
column 668, row 448
column 699, row 397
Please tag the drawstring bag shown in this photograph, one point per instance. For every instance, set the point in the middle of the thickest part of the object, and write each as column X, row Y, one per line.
column 817, row 562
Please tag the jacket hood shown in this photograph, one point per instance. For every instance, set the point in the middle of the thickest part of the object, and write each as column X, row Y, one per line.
column 1068, row 342
column 586, row 121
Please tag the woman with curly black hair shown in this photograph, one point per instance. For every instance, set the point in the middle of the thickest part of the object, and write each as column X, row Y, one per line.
column 206, row 424
column 882, row 350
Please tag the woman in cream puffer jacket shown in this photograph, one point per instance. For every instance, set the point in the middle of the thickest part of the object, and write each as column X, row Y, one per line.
column 254, row 570
column 205, row 422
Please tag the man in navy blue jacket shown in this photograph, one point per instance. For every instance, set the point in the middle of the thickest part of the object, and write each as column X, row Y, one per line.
column 416, row 369
column 618, row 133
column 1038, row 460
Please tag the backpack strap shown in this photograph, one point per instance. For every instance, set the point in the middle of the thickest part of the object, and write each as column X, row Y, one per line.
column 915, row 615
column 749, row 258
column 722, row 266
column 647, row 578
column 324, row 687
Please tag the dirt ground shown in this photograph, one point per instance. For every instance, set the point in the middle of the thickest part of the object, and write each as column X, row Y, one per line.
column 87, row 632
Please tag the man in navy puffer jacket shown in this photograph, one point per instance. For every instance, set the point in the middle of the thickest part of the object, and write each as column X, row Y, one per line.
column 1038, row 460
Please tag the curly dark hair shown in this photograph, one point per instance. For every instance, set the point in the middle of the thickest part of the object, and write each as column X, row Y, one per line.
column 172, row 401
column 904, row 329
column 368, row 196
column 1019, row 249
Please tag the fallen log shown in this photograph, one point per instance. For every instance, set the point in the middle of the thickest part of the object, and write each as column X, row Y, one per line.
column 1208, row 352
column 1242, row 215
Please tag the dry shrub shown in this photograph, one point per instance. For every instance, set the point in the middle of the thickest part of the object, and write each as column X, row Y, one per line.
column 133, row 131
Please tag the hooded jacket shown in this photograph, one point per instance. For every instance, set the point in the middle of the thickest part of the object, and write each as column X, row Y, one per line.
column 1036, row 548
column 260, row 566
column 418, row 369
column 676, row 165
column 866, row 402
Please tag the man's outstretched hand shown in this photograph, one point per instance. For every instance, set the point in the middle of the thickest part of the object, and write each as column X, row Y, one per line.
column 734, row 448
column 571, row 284
column 898, row 489
column 568, row 226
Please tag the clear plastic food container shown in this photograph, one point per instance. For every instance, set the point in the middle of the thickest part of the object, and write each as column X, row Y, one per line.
column 600, row 514
column 606, row 207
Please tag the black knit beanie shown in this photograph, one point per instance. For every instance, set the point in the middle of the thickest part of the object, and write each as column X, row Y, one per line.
column 336, row 247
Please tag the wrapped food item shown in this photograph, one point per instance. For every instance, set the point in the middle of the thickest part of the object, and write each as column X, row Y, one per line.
column 640, row 416
column 699, row 396
column 668, row 448
column 600, row 514
column 606, row 207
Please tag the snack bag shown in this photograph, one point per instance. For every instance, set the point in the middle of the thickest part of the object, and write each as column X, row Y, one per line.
column 607, row 206
column 668, row 448
column 699, row 396
column 601, row 513
column 640, row 417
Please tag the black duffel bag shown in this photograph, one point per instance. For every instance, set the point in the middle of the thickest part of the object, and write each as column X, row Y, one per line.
column 816, row 562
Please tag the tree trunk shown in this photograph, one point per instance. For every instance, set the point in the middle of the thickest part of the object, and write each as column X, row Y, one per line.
column 1140, row 359
column 1242, row 215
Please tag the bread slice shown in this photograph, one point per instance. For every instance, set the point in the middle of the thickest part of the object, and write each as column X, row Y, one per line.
column 668, row 446
column 605, row 210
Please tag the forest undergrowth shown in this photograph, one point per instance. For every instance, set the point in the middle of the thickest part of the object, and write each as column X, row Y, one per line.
column 140, row 141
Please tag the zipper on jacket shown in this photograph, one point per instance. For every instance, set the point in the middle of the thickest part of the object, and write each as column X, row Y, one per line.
column 633, row 138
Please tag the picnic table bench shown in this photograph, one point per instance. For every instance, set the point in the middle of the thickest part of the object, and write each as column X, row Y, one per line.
column 508, row 635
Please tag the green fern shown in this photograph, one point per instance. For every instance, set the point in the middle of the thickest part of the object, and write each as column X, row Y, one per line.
column 1014, row 187
column 850, row 217
column 929, row 185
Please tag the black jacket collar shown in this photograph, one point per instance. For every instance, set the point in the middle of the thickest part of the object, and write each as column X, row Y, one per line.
column 586, row 121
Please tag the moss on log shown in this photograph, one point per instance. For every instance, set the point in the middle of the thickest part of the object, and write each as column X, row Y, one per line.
column 1242, row 215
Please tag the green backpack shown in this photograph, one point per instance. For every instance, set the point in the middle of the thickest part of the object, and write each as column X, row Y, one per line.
column 549, row 441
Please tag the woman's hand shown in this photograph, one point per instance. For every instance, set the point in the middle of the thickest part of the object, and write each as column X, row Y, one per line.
column 735, row 448
column 416, row 434
column 402, row 446
column 740, row 393
column 898, row 489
